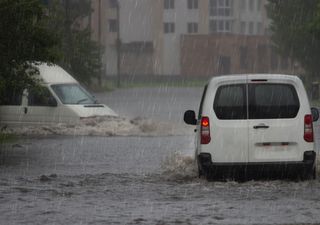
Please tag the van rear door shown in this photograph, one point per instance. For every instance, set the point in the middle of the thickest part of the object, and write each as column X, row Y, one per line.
column 275, row 129
column 229, row 124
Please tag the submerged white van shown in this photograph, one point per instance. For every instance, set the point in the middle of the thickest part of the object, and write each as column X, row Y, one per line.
column 60, row 99
column 254, row 125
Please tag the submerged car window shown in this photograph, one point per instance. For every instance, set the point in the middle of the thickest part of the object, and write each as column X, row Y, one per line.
column 230, row 102
column 72, row 94
column 39, row 96
column 272, row 101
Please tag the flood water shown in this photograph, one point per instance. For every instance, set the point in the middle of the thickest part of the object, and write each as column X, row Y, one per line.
column 72, row 179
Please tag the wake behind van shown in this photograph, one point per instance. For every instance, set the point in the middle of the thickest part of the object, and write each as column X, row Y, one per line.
column 59, row 99
column 257, row 124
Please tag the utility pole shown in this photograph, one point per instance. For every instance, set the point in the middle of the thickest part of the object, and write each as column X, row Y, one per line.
column 67, row 27
column 99, row 41
column 118, row 45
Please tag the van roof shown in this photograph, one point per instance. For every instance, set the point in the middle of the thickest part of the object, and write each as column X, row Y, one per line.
column 265, row 76
column 54, row 74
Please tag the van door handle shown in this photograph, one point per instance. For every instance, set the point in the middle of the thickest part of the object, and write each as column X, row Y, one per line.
column 25, row 110
column 261, row 126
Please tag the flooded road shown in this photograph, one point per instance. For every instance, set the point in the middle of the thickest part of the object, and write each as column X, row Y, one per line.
column 138, row 180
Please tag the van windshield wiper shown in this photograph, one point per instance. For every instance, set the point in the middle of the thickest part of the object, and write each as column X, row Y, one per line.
column 82, row 100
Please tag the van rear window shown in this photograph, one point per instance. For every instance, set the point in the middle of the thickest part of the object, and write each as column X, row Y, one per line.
column 230, row 102
column 273, row 101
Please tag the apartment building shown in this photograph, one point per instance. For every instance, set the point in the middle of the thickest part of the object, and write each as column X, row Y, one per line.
column 207, row 17
column 246, row 17
column 154, row 34
column 126, row 30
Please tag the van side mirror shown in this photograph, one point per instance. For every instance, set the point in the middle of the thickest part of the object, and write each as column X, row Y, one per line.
column 52, row 102
column 190, row 117
column 315, row 114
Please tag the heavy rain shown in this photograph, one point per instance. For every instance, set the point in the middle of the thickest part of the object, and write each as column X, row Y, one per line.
column 159, row 112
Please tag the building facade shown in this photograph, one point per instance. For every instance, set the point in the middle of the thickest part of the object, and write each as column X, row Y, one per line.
column 155, row 34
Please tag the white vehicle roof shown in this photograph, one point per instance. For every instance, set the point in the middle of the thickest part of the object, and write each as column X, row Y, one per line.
column 238, row 77
column 54, row 74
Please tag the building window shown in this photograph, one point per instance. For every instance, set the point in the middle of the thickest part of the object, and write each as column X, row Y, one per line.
column 259, row 3
column 192, row 28
column 227, row 26
column 192, row 4
column 220, row 26
column 113, row 3
column 251, row 5
column 243, row 5
column 259, row 28
column 169, row 4
column 113, row 25
column 220, row 7
column 242, row 27
column 213, row 26
column 251, row 28
column 168, row 28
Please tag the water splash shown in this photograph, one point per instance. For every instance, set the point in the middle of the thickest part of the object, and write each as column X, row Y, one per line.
column 103, row 126
column 179, row 167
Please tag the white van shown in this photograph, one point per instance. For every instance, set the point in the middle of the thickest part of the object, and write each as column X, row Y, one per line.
column 254, row 125
column 60, row 99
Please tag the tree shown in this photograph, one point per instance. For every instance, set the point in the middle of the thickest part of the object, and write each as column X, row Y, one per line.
column 294, row 29
column 80, row 55
column 24, row 38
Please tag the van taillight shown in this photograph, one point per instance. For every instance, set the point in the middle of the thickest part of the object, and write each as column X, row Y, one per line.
column 308, row 128
column 205, row 130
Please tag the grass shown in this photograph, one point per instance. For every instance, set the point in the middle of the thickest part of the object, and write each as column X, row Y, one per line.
column 129, row 84
column 315, row 103
column 106, row 87
column 7, row 138
column 110, row 85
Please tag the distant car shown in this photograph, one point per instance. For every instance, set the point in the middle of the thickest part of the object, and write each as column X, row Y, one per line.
column 60, row 99
column 255, row 125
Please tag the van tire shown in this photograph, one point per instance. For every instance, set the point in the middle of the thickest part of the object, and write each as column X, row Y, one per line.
column 314, row 173
column 200, row 173
column 309, row 174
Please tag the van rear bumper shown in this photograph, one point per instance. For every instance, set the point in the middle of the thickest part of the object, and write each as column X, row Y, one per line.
column 257, row 170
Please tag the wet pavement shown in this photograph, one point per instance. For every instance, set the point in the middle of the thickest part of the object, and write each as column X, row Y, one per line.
column 138, row 180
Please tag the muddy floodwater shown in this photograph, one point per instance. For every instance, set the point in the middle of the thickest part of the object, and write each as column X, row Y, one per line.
column 133, row 179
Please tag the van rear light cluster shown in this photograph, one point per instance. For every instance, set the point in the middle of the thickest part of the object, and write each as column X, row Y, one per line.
column 308, row 128
column 205, row 130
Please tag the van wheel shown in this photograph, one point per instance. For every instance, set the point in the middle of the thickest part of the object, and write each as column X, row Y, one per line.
column 309, row 174
column 200, row 172
column 314, row 173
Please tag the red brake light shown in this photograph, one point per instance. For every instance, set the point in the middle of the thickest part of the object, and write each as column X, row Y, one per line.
column 205, row 122
column 308, row 128
column 205, row 130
